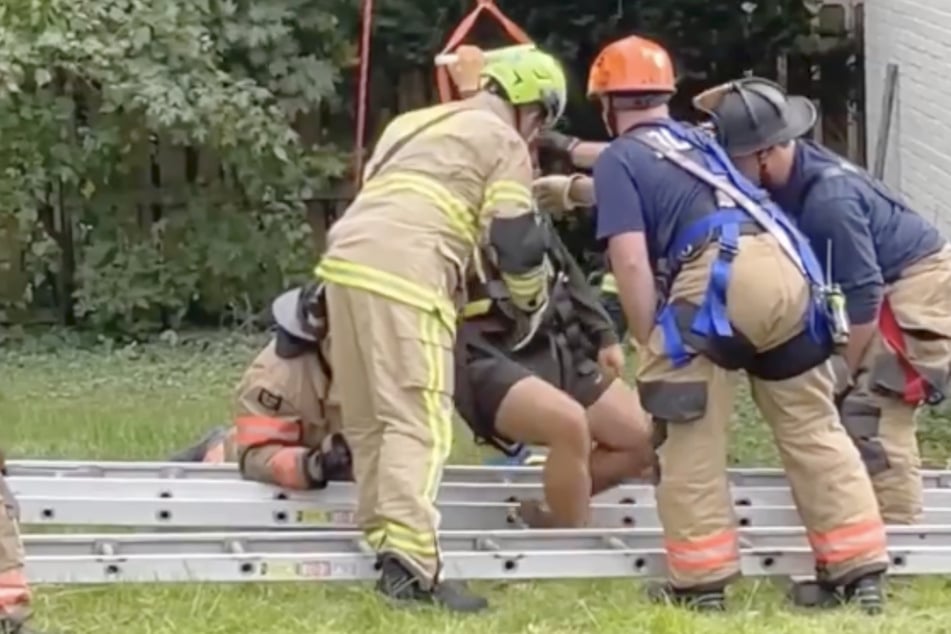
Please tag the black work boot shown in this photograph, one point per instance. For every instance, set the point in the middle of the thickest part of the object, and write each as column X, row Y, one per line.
column 708, row 600
column 197, row 452
column 15, row 626
column 399, row 584
column 866, row 592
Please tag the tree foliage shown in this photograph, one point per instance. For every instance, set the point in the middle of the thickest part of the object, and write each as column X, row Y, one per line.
column 156, row 156
column 107, row 110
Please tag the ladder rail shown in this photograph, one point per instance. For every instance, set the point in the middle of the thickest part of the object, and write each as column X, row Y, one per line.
column 278, row 514
column 764, row 477
column 349, row 541
column 494, row 565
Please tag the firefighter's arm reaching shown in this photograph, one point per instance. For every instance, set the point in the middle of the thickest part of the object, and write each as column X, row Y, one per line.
column 840, row 223
column 269, row 442
column 512, row 231
column 620, row 221
column 582, row 154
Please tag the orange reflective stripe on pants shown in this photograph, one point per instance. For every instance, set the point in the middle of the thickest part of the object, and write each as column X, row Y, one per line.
column 14, row 590
column 706, row 553
column 287, row 468
column 849, row 542
column 259, row 430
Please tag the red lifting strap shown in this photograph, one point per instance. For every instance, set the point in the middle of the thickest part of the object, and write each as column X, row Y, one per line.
column 893, row 336
column 512, row 30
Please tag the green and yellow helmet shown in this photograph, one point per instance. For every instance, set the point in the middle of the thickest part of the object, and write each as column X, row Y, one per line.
column 524, row 75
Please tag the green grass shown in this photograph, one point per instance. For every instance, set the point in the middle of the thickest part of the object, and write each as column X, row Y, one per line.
column 59, row 401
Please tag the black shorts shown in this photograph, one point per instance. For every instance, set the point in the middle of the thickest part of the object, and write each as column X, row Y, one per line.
column 485, row 373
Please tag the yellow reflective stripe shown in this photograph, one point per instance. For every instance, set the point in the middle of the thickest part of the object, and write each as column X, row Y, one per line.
column 375, row 537
column 403, row 539
column 388, row 285
column 437, row 419
column 506, row 191
column 526, row 286
column 476, row 308
column 609, row 284
column 460, row 215
column 410, row 547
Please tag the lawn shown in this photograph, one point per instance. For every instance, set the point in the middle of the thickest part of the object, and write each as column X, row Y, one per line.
column 58, row 400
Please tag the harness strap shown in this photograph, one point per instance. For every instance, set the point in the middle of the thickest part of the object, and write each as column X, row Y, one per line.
column 712, row 318
column 914, row 391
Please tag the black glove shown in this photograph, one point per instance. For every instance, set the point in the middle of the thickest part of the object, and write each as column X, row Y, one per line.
column 338, row 461
column 557, row 142
column 332, row 461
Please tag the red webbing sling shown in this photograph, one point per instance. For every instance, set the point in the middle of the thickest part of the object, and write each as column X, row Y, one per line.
column 457, row 37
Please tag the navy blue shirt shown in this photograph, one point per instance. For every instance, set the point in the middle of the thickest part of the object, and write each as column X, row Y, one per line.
column 637, row 191
column 872, row 237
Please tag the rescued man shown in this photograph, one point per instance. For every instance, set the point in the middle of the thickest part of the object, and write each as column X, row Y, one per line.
column 893, row 266
column 444, row 184
column 286, row 429
column 555, row 382
column 15, row 594
column 740, row 294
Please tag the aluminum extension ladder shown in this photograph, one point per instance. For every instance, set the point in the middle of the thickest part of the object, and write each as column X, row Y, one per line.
column 481, row 531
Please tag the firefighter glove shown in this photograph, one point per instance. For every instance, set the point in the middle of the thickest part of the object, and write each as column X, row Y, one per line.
column 557, row 142
column 553, row 193
column 466, row 71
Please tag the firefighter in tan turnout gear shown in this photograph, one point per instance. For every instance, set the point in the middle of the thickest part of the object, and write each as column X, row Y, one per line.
column 447, row 188
column 737, row 287
column 893, row 266
column 286, row 427
column 15, row 595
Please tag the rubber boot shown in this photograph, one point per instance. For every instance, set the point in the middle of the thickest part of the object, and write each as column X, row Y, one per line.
column 697, row 600
column 197, row 452
column 15, row 626
column 867, row 593
column 399, row 584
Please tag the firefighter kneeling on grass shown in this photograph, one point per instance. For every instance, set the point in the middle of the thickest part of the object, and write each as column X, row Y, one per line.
column 15, row 596
column 286, row 427
column 742, row 291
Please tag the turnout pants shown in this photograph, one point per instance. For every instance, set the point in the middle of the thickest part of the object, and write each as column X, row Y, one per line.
column 393, row 368
column 692, row 406
column 879, row 413
column 14, row 591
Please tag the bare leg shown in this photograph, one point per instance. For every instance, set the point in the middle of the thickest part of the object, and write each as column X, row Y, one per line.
column 622, row 437
column 535, row 412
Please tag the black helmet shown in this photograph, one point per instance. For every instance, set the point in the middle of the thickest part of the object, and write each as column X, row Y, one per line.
column 754, row 114
column 298, row 312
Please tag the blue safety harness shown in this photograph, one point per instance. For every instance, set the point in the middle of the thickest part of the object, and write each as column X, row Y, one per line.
column 739, row 201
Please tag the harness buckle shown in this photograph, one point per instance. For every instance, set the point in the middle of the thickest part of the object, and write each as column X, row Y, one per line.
column 727, row 251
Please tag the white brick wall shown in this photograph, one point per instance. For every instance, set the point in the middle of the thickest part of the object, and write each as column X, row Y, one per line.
column 915, row 34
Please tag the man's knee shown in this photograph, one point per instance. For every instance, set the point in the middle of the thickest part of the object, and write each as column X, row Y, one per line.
column 617, row 421
column 570, row 430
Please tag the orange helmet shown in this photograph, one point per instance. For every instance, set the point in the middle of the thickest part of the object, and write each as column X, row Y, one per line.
column 631, row 65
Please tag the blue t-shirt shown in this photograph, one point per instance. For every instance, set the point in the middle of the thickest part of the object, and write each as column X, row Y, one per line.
column 635, row 191
column 872, row 238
